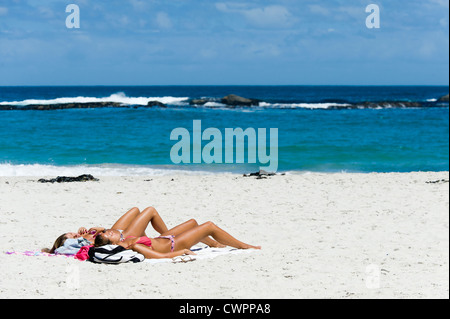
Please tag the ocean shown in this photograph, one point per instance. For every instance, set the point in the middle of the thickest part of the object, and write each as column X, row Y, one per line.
column 320, row 129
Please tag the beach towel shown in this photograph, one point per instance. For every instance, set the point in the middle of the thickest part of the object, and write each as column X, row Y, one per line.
column 33, row 253
column 113, row 254
column 202, row 252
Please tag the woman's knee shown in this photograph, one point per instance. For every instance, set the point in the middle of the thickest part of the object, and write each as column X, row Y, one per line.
column 210, row 225
column 135, row 210
column 193, row 222
column 150, row 210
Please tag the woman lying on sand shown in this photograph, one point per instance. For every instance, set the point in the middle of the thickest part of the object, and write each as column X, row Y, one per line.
column 129, row 232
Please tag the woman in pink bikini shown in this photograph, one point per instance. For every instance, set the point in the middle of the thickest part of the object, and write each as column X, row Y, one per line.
column 174, row 242
column 129, row 232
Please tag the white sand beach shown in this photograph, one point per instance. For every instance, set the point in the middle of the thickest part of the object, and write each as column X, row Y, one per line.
column 322, row 235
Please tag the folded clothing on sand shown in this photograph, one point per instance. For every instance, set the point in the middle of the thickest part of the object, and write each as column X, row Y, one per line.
column 72, row 246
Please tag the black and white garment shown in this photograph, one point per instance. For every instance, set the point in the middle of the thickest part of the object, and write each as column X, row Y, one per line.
column 113, row 254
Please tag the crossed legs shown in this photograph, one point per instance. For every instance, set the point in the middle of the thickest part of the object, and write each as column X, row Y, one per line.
column 197, row 234
column 134, row 223
column 191, row 224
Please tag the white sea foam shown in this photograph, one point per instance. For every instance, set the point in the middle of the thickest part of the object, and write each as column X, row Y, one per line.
column 40, row 170
column 214, row 104
column 282, row 105
column 114, row 98
column 120, row 97
column 300, row 105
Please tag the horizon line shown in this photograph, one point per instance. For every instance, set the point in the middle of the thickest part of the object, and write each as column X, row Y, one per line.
column 225, row 85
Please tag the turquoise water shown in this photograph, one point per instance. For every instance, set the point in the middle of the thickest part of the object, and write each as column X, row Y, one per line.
column 310, row 138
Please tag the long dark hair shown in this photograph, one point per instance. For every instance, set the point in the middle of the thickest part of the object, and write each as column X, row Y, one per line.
column 101, row 241
column 58, row 243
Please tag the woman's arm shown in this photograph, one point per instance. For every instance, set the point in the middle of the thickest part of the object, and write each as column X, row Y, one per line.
column 91, row 233
column 151, row 254
column 96, row 230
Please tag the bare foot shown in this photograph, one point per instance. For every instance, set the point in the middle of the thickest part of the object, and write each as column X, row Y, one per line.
column 252, row 247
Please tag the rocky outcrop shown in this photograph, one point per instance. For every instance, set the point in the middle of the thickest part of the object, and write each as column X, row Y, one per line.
column 45, row 107
column 65, row 106
column 444, row 99
column 235, row 100
column 198, row 101
column 156, row 103
column 231, row 100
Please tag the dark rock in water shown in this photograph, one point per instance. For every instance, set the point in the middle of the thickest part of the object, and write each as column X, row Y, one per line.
column 229, row 100
column 156, row 103
column 62, row 106
column 444, row 99
column 65, row 179
column 234, row 100
column 198, row 102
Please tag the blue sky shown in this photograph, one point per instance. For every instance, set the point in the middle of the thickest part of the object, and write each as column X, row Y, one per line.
column 184, row 42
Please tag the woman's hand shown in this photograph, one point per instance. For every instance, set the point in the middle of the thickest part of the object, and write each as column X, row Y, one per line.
column 129, row 243
column 188, row 252
column 82, row 231
column 95, row 230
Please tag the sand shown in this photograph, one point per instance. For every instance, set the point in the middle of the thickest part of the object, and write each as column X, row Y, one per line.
column 322, row 235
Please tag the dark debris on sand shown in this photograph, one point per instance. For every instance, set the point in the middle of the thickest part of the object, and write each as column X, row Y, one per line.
column 262, row 174
column 65, row 179
column 441, row 181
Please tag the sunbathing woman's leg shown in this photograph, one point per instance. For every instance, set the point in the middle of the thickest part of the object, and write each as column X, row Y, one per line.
column 138, row 226
column 195, row 235
column 192, row 223
column 126, row 219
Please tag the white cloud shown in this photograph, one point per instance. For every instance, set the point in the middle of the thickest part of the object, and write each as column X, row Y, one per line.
column 163, row 20
column 3, row 11
column 317, row 9
column 138, row 4
column 222, row 7
column 270, row 16
column 427, row 49
column 231, row 6
column 442, row 3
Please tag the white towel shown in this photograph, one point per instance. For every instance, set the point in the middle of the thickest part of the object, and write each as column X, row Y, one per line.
column 202, row 252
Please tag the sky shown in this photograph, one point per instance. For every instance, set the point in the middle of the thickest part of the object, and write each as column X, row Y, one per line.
column 207, row 42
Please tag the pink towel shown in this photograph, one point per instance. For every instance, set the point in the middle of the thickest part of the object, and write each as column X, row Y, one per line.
column 83, row 253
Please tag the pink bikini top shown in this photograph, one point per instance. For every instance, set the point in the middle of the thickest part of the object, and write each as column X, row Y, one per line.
column 143, row 240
